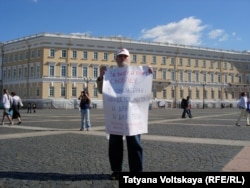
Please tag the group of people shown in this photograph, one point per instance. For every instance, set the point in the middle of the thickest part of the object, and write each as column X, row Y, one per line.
column 11, row 104
column 31, row 107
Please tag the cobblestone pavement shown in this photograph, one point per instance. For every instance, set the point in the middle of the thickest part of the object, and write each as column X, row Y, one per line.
column 48, row 150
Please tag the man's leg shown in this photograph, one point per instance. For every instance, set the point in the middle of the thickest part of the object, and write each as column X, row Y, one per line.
column 116, row 152
column 135, row 155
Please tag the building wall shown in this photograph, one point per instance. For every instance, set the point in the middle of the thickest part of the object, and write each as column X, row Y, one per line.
column 171, row 64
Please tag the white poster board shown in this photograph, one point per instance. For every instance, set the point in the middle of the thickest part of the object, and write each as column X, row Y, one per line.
column 126, row 96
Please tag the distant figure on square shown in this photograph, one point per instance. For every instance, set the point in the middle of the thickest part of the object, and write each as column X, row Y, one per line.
column 242, row 104
column 85, row 110
column 34, row 107
column 29, row 107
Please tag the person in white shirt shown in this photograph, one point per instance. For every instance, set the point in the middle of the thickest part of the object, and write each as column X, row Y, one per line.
column 242, row 104
column 7, row 101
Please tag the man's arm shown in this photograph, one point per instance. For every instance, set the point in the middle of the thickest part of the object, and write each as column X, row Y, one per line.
column 99, row 83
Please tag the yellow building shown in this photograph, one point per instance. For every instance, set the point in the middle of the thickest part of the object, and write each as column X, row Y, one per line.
column 52, row 69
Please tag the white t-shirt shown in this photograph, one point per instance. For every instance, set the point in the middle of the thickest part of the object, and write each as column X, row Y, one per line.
column 6, row 101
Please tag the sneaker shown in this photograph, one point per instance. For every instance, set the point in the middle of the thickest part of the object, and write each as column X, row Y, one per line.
column 19, row 123
column 114, row 176
column 81, row 129
column 247, row 125
column 237, row 124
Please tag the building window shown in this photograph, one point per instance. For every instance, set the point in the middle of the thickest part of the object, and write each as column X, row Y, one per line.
column 189, row 77
column 51, row 70
column 38, row 53
column 180, row 61
column 173, row 75
column 154, row 60
column 26, row 55
column 31, row 72
column 164, row 74
column 20, row 57
column 64, row 53
column 204, row 63
column 85, row 55
column 95, row 71
column 74, row 54
column 197, row 79
column 74, row 71
column 25, row 72
column 212, row 94
column 95, row 92
column 164, row 93
column 181, row 76
column 84, row 71
column 144, row 59
column 172, row 61
column 19, row 73
column 154, row 74
column 172, row 93
column 212, row 78
column 63, row 91
column 197, row 94
column 95, row 56
column 211, row 64
column 52, row 52
column 134, row 58
column 181, row 93
column 189, row 62
column 32, row 54
column 51, row 91
column 63, row 70
column 196, row 63
column 73, row 91
column 37, row 71
column 105, row 56
column 164, row 60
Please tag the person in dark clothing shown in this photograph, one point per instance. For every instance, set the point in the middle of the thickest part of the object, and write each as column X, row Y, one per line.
column 186, row 105
column 29, row 107
column 16, row 103
column 85, row 110
column 34, row 107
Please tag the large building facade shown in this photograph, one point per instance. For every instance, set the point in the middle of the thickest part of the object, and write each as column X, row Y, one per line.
column 52, row 69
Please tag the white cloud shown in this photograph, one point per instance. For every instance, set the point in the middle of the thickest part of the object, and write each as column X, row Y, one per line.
column 218, row 34
column 187, row 31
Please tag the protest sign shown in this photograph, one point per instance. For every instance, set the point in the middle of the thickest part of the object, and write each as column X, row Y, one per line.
column 126, row 96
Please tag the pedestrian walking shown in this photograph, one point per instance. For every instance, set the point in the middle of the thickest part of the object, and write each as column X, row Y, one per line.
column 242, row 104
column 17, row 102
column 85, row 110
column 34, row 107
column 29, row 108
column 7, row 102
column 186, row 105
column 134, row 147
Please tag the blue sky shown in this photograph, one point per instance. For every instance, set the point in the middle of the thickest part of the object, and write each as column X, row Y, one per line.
column 219, row 24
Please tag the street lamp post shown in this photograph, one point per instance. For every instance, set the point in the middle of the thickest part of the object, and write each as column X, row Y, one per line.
column 87, row 83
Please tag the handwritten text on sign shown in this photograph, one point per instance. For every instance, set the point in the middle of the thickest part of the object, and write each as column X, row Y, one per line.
column 126, row 95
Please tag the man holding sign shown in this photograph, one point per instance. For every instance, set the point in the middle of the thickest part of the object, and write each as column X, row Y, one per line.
column 126, row 94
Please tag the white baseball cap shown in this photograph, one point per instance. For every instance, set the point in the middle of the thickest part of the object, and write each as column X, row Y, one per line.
column 123, row 51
